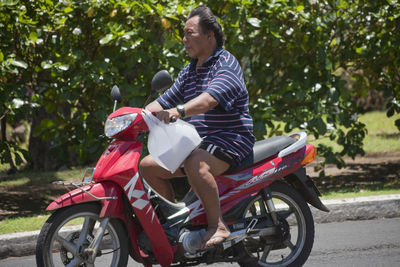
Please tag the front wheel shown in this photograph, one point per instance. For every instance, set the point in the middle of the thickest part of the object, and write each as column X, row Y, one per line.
column 294, row 213
column 67, row 234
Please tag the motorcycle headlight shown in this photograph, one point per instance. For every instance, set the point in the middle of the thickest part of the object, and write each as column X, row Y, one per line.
column 118, row 124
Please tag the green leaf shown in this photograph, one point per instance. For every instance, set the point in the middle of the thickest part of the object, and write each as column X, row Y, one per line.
column 1, row 56
column 255, row 22
column 68, row 9
column 33, row 36
column 106, row 39
column 63, row 67
column 148, row 8
column 46, row 65
column 19, row 63
column 397, row 123
column 390, row 112
column 359, row 50
column 299, row 8
column 328, row 64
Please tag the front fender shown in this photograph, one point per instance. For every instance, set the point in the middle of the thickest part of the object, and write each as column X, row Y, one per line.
column 108, row 193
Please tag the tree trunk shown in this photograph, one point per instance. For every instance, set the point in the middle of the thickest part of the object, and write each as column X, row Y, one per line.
column 38, row 148
column 3, row 129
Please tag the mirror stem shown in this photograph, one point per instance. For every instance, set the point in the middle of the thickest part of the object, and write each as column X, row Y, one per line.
column 115, row 105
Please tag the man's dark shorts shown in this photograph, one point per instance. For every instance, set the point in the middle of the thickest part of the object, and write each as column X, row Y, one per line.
column 219, row 153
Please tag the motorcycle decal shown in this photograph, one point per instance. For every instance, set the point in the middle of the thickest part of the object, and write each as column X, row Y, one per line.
column 259, row 178
column 195, row 209
column 134, row 195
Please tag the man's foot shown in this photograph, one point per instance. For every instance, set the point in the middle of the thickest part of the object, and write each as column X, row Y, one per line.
column 215, row 236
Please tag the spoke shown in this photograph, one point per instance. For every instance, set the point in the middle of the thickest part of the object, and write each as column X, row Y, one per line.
column 265, row 254
column 69, row 246
column 289, row 244
column 99, row 234
column 284, row 214
column 75, row 262
column 106, row 245
column 84, row 231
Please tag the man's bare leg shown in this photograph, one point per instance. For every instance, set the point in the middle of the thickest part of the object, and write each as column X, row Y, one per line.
column 201, row 167
column 157, row 177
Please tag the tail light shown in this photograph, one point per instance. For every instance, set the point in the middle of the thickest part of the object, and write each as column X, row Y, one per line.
column 310, row 157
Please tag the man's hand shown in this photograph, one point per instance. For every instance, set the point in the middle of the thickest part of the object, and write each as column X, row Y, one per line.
column 166, row 115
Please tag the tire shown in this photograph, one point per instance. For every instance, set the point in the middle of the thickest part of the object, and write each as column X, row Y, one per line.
column 296, row 245
column 113, row 249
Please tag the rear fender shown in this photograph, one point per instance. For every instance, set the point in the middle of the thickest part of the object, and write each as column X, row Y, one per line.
column 112, row 203
column 306, row 187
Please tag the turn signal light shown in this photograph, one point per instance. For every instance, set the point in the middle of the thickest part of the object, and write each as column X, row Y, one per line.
column 310, row 157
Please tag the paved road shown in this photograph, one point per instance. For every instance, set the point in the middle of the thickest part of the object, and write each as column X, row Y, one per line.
column 351, row 243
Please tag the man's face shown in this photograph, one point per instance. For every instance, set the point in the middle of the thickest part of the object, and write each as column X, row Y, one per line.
column 195, row 40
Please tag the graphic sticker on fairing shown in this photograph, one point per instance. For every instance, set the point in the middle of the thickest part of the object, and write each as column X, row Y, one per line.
column 135, row 196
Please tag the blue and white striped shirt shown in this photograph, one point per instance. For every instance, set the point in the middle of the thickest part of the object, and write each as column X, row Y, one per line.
column 228, row 125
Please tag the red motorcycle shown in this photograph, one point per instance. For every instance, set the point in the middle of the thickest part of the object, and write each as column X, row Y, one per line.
column 113, row 213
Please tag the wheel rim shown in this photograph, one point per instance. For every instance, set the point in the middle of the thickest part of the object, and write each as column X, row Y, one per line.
column 66, row 239
column 268, row 255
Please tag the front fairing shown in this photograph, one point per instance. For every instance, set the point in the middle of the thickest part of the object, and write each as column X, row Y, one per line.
column 119, row 162
column 138, row 126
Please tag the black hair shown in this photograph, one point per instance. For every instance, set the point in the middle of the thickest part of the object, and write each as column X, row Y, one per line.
column 208, row 22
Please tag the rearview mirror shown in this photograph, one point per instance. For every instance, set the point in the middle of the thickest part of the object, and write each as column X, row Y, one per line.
column 115, row 94
column 162, row 80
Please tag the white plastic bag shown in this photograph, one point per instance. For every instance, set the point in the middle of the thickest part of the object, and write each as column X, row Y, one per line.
column 170, row 144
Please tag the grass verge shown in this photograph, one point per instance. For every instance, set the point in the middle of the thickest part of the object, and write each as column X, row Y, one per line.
column 22, row 224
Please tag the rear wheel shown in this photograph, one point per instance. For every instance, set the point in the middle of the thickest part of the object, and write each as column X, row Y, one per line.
column 59, row 242
column 297, row 241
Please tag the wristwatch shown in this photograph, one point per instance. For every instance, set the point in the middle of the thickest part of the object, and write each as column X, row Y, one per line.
column 181, row 110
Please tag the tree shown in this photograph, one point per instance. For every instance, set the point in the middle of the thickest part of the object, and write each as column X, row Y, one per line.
column 304, row 62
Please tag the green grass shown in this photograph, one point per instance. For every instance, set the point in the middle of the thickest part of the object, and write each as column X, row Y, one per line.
column 382, row 136
column 360, row 193
column 20, row 224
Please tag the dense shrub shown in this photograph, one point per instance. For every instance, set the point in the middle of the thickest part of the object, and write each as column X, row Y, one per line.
column 304, row 61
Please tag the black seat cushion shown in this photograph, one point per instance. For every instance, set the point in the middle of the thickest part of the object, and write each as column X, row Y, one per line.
column 264, row 149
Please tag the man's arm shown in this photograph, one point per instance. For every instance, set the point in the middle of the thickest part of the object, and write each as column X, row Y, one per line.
column 154, row 106
column 198, row 105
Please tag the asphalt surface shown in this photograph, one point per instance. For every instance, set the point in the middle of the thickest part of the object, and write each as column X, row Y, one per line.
column 351, row 209
column 345, row 244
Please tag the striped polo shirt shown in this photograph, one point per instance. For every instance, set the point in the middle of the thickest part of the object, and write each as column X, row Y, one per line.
column 228, row 125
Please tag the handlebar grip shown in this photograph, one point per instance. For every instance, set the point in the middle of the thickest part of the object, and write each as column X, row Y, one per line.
column 173, row 119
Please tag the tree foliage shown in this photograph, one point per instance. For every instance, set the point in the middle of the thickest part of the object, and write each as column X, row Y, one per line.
column 305, row 62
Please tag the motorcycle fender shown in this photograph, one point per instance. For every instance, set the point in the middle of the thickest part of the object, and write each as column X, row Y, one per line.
column 107, row 193
column 306, row 187
column 112, row 206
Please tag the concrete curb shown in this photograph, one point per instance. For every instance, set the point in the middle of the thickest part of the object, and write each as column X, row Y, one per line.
column 361, row 208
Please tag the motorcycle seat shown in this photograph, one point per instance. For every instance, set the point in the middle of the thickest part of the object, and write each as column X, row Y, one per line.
column 264, row 149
